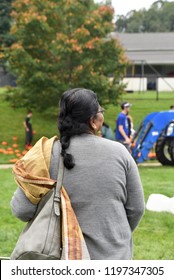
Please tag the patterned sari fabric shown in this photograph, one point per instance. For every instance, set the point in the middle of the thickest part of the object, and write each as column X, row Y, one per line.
column 32, row 176
column 32, row 171
column 74, row 246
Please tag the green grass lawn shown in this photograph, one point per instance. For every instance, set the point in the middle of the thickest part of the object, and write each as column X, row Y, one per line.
column 11, row 124
column 9, row 226
column 153, row 239
column 45, row 124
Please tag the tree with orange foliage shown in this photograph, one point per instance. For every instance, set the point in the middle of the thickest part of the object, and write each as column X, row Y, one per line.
column 60, row 45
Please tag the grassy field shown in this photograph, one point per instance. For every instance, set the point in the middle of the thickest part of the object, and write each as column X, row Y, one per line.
column 9, row 226
column 153, row 239
column 11, row 125
column 45, row 124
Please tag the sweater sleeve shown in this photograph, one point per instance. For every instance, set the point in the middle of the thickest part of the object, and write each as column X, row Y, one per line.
column 21, row 206
column 135, row 204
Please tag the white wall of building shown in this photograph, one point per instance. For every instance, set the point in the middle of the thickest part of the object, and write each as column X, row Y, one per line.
column 165, row 84
column 135, row 84
column 140, row 84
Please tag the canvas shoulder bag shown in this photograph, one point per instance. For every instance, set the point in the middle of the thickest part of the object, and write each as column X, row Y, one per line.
column 41, row 237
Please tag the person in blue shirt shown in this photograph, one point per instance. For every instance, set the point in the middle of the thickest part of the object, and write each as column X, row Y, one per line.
column 122, row 131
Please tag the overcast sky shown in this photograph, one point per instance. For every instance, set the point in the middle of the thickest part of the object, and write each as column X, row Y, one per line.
column 122, row 7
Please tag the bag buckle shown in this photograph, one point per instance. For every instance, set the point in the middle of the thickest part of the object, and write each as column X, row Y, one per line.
column 57, row 205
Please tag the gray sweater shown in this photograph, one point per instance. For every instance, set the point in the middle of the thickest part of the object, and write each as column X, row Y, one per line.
column 105, row 191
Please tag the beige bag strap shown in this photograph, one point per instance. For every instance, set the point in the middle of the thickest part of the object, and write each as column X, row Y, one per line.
column 59, row 182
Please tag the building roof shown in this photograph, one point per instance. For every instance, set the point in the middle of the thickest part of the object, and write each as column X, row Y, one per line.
column 153, row 48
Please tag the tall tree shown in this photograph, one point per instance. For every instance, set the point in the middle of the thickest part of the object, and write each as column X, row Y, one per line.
column 6, row 39
column 159, row 18
column 167, row 16
column 62, row 44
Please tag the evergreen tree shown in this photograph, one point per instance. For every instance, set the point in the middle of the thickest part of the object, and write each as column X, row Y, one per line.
column 6, row 39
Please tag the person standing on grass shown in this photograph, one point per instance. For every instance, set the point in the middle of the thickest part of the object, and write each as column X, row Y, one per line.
column 122, row 131
column 100, row 177
column 28, row 130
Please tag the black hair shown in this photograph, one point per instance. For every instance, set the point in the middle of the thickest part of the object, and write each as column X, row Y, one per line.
column 106, row 125
column 77, row 106
column 123, row 105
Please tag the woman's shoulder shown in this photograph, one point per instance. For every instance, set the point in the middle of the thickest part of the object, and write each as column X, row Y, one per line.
column 115, row 149
column 110, row 143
